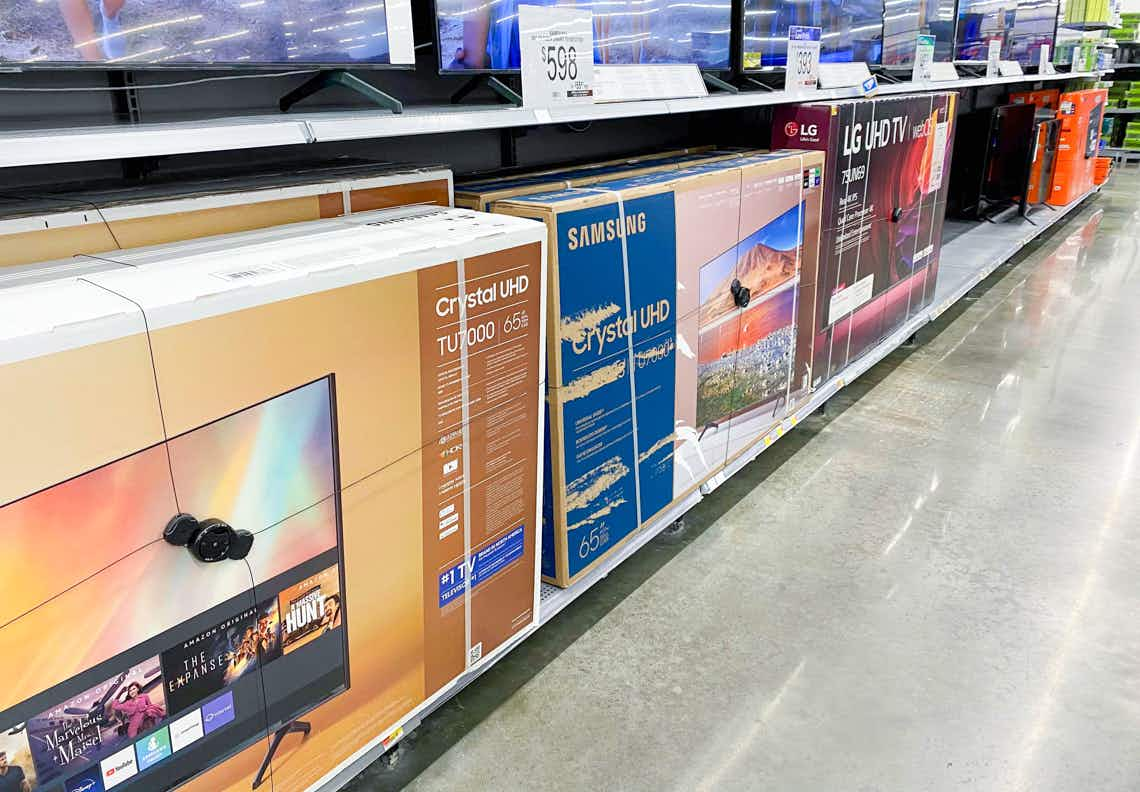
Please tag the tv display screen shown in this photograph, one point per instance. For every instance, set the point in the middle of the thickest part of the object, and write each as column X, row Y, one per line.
column 905, row 20
column 1034, row 24
column 851, row 30
column 1009, row 156
column 159, row 667
column 477, row 35
column 148, row 33
column 980, row 21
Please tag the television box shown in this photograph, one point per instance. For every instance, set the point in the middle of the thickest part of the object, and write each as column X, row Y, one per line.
column 1046, row 99
column 44, row 227
column 658, row 375
column 1041, row 174
column 363, row 395
column 481, row 194
column 1080, row 113
column 885, row 187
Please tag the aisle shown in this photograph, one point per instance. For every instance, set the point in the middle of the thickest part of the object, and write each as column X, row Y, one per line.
column 935, row 586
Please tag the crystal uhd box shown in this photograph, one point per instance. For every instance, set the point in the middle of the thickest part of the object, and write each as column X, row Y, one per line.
column 344, row 416
column 672, row 346
column 885, row 190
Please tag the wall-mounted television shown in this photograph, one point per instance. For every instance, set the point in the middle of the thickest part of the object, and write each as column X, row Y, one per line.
column 851, row 30
column 158, row 668
column 483, row 36
column 979, row 22
column 905, row 20
column 1034, row 25
column 152, row 33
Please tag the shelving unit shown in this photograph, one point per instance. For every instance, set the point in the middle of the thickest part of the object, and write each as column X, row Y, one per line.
column 84, row 144
column 966, row 260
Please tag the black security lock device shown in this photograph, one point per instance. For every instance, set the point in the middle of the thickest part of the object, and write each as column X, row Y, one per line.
column 208, row 540
column 740, row 294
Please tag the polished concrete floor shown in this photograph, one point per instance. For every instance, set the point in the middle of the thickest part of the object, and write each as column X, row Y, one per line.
column 934, row 586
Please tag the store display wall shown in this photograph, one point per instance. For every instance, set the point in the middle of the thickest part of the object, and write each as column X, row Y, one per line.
column 660, row 372
column 884, row 202
column 336, row 389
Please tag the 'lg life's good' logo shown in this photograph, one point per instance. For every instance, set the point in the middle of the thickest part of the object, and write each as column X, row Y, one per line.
column 809, row 132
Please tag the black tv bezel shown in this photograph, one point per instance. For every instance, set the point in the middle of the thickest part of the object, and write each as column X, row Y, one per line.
column 265, row 728
column 954, row 48
column 442, row 72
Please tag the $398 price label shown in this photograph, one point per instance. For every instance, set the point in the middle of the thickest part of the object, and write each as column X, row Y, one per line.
column 803, row 59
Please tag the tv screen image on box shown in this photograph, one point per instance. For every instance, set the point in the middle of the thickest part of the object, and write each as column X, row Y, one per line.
column 181, row 665
column 851, row 30
column 475, row 35
column 905, row 20
column 140, row 33
column 979, row 22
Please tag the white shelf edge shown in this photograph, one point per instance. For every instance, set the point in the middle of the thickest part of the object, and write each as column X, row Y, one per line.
column 56, row 146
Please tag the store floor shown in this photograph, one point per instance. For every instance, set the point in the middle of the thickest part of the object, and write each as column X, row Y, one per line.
column 934, row 586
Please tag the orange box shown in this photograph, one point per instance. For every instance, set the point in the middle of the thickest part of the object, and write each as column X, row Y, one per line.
column 1102, row 169
column 1080, row 113
column 1047, row 99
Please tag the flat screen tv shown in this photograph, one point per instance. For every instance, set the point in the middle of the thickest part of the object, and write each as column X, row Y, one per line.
column 851, row 30
column 980, row 21
column 476, row 36
column 1009, row 155
column 1034, row 24
column 905, row 20
column 153, row 33
column 162, row 667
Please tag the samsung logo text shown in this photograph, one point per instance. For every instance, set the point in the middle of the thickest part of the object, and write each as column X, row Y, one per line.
column 604, row 231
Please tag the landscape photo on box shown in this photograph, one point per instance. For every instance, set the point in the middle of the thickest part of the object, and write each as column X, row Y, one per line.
column 394, row 530
column 887, row 178
column 660, row 371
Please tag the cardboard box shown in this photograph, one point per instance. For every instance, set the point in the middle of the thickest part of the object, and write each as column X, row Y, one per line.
column 481, row 194
column 885, row 187
column 363, row 395
column 1081, row 113
column 1046, row 99
column 658, row 375
column 41, row 228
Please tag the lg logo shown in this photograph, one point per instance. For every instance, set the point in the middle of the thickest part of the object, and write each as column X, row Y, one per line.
column 806, row 132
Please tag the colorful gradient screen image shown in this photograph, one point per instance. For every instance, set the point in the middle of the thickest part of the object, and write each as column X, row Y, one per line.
column 157, row 667
column 477, row 35
column 745, row 356
column 193, row 32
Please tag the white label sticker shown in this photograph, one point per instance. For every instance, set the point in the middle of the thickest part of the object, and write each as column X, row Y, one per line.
column 802, row 73
column 938, row 155
column 923, row 58
column 556, row 47
column 847, row 300
column 993, row 57
column 1044, row 63
column 943, row 72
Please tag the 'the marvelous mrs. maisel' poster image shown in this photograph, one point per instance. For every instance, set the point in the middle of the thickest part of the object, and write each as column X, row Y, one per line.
column 310, row 608
column 97, row 722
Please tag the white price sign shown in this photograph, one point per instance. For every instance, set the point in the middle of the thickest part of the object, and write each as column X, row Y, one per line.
column 923, row 58
column 556, row 48
column 802, row 73
column 1044, row 64
column 993, row 57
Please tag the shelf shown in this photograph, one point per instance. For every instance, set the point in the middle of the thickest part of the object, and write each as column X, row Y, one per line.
column 1122, row 111
column 84, row 144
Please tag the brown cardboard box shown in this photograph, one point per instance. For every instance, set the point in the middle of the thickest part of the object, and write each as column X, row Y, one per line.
column 363, row 395
column 42, row 228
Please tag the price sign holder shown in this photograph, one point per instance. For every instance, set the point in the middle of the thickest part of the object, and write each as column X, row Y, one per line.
column 993, row 57
column 843, row 75
column 801, row 75
column 556, row 48
column 923, row 58
column 943, row 72
column 1044, row 62
column 1009, row 69
column 639, row 82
